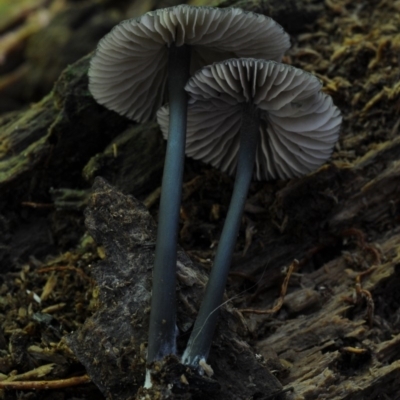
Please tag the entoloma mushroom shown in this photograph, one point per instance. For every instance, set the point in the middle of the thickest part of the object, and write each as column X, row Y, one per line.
column 136, row 67
column 261, row 119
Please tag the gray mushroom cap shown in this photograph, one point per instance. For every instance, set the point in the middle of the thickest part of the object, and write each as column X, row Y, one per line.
column 128, row 72
column 299, row 124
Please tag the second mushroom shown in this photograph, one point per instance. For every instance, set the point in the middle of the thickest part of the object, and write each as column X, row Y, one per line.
column 261, row 119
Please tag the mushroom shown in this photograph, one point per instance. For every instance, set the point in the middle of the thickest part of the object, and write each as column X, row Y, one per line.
column 264, row 120
column 136, row 67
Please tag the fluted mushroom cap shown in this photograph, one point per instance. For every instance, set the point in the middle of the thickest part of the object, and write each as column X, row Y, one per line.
column 128, row 72
column 299, row 124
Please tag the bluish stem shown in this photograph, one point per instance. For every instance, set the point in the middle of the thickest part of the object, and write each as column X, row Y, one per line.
column 162, row 332
column 201, row 338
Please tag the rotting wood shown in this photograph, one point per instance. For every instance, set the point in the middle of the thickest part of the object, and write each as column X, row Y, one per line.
column 116, row 335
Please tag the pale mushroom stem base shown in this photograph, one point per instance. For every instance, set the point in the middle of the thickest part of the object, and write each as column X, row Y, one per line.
column 201, row 338
column 162, row 332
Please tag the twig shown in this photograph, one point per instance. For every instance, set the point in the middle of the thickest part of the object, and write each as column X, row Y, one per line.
column 354, row 350
column 39, row 385
column 36, row 205
column 360, row 238
column 364, row 294
column 66, row 268
column 279, row 304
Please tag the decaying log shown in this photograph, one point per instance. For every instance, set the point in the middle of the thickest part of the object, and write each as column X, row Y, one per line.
column 340, row 344
column 43, row 153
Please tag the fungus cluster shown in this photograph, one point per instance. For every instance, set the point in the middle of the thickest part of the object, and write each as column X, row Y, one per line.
column 244, row 113
column 254, row 117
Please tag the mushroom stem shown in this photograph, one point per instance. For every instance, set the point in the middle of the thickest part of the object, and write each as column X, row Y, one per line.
column 162, row 332
column 201, row 338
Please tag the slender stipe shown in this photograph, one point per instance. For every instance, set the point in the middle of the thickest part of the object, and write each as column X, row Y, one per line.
column 201, row 338
column 162, row 332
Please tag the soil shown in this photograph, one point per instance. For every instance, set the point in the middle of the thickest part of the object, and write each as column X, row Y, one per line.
column 79, row 198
